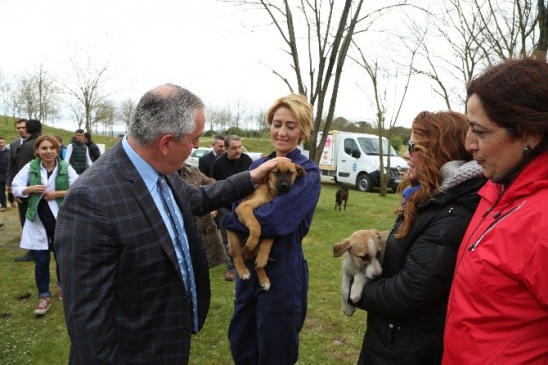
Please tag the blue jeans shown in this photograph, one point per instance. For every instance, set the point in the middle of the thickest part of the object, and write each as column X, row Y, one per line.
column 42, row 260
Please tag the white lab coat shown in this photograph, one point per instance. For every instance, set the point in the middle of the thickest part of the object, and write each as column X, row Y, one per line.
column 34, row 234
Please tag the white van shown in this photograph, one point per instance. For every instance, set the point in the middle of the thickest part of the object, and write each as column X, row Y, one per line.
column 353, row 158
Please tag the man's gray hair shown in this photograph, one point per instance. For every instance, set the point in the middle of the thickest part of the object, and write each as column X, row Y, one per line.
column 166, row 109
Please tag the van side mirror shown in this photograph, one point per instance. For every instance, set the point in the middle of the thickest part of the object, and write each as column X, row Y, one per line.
column 355, row 153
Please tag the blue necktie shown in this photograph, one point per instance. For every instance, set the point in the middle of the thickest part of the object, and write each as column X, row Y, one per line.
column 182, row 244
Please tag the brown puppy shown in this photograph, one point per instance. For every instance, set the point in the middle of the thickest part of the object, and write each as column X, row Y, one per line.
column 363, row 254
column 340, row 196
column 279, row 180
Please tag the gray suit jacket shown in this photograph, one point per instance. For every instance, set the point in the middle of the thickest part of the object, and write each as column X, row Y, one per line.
column 14, row 147
column 124, row 298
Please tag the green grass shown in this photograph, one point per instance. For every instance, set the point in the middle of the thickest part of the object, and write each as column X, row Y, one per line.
column 328, row 336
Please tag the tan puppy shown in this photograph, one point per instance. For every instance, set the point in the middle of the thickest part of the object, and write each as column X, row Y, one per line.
column 363, row 254
column 278, row 180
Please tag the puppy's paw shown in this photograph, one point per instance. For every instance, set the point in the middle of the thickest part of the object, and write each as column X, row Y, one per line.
column 244, row 274
column 265, row 285
column 348, row 309
column 355, row 297
column 355, row 294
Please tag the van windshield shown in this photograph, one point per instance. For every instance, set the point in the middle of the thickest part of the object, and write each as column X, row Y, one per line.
column 371, row 146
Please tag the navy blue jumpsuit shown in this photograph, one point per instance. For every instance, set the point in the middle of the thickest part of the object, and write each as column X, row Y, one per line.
column 265, row 326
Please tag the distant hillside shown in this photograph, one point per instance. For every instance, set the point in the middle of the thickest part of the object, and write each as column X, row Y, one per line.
column 8, row 132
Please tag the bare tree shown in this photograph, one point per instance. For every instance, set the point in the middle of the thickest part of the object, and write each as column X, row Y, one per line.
column 77, row 111
column 541, row 46
column 238, row 113
column 46, row 94
column 453, row 29
column 125, row 112
column 87, row 86
column 5, row 96
column 24, row 97
column 103, row 115
column 219, row 118
column 508, row 28
column 382, row 79
column 328, row 32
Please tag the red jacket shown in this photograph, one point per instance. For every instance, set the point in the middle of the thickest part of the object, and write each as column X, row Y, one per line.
column 498, row 306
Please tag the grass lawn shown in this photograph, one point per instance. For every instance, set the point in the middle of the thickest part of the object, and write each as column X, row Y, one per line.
column 328, row 336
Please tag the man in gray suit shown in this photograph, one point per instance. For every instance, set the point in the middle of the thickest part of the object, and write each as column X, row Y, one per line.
column 123, row 264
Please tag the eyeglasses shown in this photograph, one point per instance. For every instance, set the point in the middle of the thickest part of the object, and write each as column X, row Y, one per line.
column 410, row 147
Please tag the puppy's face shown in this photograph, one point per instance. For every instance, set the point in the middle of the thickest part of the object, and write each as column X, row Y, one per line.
column 366, row 249
column 282, row 177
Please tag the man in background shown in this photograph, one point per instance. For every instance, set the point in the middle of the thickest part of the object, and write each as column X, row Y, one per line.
column 24, row 155
column 77, row 153
column 20, row 126
column 230, row 163
column 206, row 161
column 93, row 149
column 4, row 156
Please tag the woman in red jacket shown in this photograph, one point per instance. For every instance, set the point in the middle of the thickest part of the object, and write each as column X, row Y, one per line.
column 498, row 306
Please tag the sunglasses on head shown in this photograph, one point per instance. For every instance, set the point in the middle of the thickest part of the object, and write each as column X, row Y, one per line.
column 410, row 147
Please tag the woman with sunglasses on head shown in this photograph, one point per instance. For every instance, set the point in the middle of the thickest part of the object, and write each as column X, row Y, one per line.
column 406, row 306
column 498, row 306
column 44, row 181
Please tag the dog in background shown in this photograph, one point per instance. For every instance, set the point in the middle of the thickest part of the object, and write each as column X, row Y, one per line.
column 340, row 196
column 362, row 253
column 279, row 180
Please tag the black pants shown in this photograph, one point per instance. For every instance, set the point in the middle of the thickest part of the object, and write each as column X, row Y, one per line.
column 22, row 207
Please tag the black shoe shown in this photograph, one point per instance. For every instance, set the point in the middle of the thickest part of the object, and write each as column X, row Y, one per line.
column 28, row 257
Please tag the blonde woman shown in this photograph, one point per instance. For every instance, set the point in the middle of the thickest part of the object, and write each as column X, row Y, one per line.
column 265, row 326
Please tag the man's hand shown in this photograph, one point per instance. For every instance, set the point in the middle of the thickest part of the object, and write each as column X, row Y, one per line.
column 258, row 174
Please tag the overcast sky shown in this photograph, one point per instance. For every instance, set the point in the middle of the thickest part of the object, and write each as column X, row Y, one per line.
column 207, row 46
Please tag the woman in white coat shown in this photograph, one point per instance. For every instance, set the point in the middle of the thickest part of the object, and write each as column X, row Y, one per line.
column 44, row 181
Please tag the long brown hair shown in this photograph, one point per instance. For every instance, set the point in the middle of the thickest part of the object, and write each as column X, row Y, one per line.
column 439, row 137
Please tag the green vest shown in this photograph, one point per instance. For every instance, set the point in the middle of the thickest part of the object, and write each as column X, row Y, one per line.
column 35, row 178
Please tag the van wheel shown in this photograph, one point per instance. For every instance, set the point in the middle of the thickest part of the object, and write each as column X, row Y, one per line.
column 363, row 183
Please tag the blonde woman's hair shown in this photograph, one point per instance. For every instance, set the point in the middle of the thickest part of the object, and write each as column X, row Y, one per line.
column 301, row 109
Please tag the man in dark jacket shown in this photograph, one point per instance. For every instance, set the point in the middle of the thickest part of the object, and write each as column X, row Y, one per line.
column 77, row 153
column 93, row 149
column 232, row 162
column 20, row 125
column 24, row 155
column 4, row 156
column 121, row 244
column 206, row 161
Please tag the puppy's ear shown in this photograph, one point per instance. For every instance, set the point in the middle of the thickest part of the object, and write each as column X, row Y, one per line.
column 341, row 247
column 300, row 171
column 384, row 236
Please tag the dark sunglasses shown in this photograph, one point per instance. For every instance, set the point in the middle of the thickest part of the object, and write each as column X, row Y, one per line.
column 410, row 147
